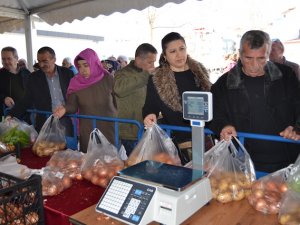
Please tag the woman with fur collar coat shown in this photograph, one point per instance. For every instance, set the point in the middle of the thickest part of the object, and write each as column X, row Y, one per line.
column 176, row 74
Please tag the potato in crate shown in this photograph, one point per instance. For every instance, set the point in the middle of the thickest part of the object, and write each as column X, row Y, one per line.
column 21, row 201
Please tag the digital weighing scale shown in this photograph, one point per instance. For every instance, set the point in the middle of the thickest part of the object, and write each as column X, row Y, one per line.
column 153, row 191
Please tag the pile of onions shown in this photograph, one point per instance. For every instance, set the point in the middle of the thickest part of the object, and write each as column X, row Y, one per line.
column 100, row 174
column 14, row 215
column 266, row 195
column 47, row 148
column 163, row 157
column 31, row 218
column 54, row 182
column 68, row 162
column 229, row 186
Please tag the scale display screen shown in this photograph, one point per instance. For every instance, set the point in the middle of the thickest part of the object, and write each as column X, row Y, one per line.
column 126, row 200
column 197, row 105
column 173, row 177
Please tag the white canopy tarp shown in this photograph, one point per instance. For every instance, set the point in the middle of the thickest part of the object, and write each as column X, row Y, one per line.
column 13, row 13
column 16, row 14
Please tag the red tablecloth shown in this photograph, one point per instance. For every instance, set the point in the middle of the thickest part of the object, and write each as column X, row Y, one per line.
column 79, row 196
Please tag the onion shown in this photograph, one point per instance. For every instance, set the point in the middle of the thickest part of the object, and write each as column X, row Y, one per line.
column 261, row 205
column 239, row 195
column 103, row 172
column 88, row 174
column 66, row 181
column 103, row 182
column 52, row 190
column 224, row 197
column 72, row 164
column 258, row 193
column 78, row 176
column 95, row 179
column 271, row 186
column 273, row 208
column 283, row 187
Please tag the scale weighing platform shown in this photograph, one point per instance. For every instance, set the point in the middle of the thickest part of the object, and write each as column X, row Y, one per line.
column 153, row 191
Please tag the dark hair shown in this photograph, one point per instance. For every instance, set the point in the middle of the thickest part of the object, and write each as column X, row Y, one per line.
column 173, row 36
column 45, row 50
column 10, row 49
column 143, row 49
column 280, row 45
column 255, row 39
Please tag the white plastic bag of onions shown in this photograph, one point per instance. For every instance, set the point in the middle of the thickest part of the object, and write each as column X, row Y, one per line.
column 51, row 138
column 156, row 145
column 68, row 162
column 54, row 181
column 230, row 171
column 102, row 161
column 266, row 192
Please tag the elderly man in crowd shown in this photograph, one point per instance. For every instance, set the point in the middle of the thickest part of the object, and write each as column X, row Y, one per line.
column 259, row 96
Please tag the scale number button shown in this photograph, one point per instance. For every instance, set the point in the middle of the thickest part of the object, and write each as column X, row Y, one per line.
column 132, row 207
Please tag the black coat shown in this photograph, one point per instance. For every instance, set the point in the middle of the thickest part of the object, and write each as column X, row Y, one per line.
column 12, row 85
column 37, row 94
column 282, row 96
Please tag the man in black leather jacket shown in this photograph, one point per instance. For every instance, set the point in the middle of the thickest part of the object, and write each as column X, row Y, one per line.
column 259, row 96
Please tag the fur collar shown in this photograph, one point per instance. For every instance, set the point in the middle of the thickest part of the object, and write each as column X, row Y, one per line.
column 234, row 79
column 165, row 83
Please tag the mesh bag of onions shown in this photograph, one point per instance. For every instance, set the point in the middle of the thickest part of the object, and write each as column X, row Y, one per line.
column 51, row 138
column 102, row 161
column 267, row 192
column 230, row 171
column 289, row 212
column 68, row 162
column 156, row 145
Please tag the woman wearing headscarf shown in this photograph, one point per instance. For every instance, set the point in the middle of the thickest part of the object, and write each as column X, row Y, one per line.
column 177, row 73
column 90, row 93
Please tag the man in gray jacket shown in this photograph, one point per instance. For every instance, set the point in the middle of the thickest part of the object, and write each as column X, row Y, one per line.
column 130, row 89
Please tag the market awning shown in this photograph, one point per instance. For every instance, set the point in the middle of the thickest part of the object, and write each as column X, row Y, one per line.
column 17, row 14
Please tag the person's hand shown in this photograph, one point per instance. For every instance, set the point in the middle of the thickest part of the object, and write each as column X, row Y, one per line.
column 9, row 102
column 227, row 132
column 59, row 111
column 150, row 120
column 290, row 133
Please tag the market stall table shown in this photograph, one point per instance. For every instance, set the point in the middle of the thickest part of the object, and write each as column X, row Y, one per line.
column 79, row 196
column 215, row 213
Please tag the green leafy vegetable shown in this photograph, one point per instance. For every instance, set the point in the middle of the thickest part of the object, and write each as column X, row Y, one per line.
column 14, row 136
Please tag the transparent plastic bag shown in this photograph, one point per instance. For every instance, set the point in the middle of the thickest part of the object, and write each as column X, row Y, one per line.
column 289, row 213
column 68, row 162
column 294, row 178
column 51, row 138
column 9, row 165
column 101, row 161
column 54, row 181
column 14, row 131
column 230, row 171
column 267, row 192
column 156, row 145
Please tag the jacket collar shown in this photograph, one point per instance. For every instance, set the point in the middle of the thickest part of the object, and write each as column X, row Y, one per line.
column 234, row 79
column 165, row 83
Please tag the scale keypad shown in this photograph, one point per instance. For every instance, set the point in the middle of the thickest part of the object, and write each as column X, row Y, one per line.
column 126, row 200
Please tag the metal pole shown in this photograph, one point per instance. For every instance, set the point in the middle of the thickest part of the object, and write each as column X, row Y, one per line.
column 198, row 147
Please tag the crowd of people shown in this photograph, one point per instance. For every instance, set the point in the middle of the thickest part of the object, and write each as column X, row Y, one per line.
column 258, row 93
